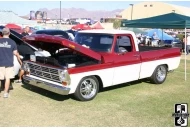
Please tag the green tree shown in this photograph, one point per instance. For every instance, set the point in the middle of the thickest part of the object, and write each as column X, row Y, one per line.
column 117, row 24
column 180, row 36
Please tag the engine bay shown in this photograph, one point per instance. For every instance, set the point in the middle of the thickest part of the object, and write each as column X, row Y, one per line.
column 67, row 58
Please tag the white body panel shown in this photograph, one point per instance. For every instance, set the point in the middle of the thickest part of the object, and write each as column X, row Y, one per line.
column 126, row 73
column 147, row 68
column 106, row 76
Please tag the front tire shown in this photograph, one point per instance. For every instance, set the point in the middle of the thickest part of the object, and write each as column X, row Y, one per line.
column 159, row 75
column 87, row 89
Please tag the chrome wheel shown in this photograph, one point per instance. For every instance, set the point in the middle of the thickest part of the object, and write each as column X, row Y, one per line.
column 88, row 88
column 161, row 73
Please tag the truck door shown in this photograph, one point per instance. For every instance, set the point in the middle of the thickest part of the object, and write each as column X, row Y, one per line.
column 126, row 61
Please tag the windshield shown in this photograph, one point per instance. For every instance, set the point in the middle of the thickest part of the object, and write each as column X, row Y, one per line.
column 96, row 42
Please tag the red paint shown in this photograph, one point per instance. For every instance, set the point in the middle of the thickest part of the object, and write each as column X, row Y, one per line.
column 112, row 59
column 159, row 54
column 64, row 42
column 81, row 27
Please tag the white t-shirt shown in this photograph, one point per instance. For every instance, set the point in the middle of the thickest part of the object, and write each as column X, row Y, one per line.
column 188, row 40
column 71, row 36
column 138, row 41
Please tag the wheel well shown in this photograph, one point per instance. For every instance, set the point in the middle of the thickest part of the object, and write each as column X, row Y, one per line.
column 100, row 81
column 159, row 65
column 166, row 66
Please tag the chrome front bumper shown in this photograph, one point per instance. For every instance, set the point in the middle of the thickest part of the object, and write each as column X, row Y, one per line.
column 47, row 86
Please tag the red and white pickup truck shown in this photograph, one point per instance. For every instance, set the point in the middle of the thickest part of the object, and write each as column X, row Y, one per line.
column 97, row 58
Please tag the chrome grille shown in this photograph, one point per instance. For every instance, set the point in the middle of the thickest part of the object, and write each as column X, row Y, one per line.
column 44, row 72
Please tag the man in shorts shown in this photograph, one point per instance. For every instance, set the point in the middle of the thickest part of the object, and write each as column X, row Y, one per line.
column 25, row 51
column 8, row 48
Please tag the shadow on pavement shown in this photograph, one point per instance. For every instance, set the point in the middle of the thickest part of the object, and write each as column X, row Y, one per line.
column 47, row 93
column 58, row 97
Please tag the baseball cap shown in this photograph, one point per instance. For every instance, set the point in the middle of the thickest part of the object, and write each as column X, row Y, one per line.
column 5, row 31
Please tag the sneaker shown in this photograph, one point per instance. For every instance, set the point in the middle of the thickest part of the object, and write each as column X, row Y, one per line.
column 18, row 81
column 6, row 95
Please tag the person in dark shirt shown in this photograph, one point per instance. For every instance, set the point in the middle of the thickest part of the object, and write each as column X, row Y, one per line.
column 25, row 51
column 8, row 48
column 26, row 31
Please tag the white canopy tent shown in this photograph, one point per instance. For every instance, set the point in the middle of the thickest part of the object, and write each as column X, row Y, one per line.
column 10, row 17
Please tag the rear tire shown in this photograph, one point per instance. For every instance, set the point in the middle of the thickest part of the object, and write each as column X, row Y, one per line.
column 87, row 89
column 159, row 75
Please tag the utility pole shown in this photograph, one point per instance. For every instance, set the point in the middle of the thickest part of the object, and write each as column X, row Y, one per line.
column 60, row 11
column 131, row 11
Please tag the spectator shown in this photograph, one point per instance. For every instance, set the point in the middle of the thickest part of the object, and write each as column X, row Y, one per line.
column 138, row 40
column 188, row 44
column 26, row 31
column 7, row 49
column 25, row 51
column 71, row 36
column 155, row 39
column 183, row 44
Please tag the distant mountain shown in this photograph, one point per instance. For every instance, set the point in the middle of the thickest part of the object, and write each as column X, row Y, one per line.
column 79, row 13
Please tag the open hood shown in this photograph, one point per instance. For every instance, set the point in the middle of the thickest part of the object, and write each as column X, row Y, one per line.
column 53, row 43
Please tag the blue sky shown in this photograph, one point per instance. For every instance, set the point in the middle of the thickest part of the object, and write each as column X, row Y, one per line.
column 24, row 7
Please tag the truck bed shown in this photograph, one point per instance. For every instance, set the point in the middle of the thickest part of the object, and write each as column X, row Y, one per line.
column 149, row 48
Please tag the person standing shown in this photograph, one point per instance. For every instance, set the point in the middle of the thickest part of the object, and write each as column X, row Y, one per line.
column 188, row 44
column 25, row 51
column 155, row 39
column 8, row 48
column 183, row 44
column 26, row 31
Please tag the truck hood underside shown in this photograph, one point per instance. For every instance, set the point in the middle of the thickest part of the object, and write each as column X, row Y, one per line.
column 54, row 43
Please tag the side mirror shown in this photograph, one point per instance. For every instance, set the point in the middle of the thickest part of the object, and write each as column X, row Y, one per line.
column 122, row 53
column 122, row 50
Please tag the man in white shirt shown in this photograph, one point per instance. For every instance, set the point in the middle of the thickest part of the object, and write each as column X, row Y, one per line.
column 188, row 44
column 71, row 36
column 155, row 39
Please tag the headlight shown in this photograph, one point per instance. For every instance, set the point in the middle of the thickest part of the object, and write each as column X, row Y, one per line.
column 26, row 67
column 64, row 77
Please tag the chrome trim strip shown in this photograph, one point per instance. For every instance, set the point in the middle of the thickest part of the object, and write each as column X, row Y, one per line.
column 44, row 65
column 47, row 86
column 42, row 71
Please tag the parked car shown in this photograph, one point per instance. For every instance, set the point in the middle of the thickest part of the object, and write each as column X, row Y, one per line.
column 54, row 32
column 176, row 43
column 97, row 58
column 15, row 36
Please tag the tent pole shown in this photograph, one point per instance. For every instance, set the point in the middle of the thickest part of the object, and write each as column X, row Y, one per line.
column 162, row 36
column 185, row 54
